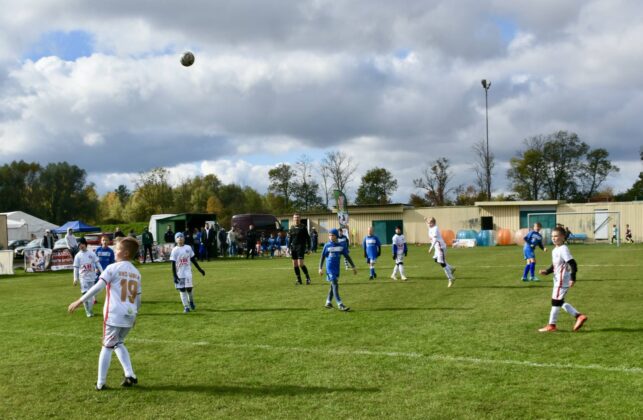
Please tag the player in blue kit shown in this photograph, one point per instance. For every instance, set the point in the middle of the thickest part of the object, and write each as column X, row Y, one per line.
column 532, row 240
column 372, row 249
column 332, row 253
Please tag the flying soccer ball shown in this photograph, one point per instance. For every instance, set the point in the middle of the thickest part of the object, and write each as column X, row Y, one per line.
column 187, row 59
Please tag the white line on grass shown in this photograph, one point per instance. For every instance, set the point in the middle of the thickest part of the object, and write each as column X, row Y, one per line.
column 409, row 355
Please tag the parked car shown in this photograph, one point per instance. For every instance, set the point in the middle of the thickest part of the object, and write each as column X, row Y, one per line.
column 19, row 252
column 94, row 238
column 13, row 244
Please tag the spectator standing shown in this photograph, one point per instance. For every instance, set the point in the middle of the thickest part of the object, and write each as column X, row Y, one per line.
column 314, row 240
column 251, row 242
column 222, row 239
column 169, row 235
column 47, row 240
column 147, row 240
column 118, row 233
column 232, row 242
column 72, row 244
column 211, row 241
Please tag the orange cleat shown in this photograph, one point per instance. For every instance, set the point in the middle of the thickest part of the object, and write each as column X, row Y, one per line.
column 548, row 328
column 580, row 320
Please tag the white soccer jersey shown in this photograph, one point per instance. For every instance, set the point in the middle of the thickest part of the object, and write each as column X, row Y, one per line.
column 439, row 246
column 562, row 275
column 86, row 262
column 181, row 255
column 399, row 241
column 123, row 282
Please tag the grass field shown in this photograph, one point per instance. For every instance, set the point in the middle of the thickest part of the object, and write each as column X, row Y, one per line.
column 260, row 347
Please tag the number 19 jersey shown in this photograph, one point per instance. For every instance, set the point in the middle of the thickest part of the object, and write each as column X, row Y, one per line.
column 123, row 282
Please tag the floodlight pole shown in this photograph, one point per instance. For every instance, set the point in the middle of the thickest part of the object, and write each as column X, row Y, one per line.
column 486, row 84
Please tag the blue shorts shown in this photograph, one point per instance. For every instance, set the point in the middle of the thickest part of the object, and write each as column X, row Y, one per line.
column 529, row 253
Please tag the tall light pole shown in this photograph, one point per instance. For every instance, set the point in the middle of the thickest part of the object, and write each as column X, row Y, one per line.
column 486, row 84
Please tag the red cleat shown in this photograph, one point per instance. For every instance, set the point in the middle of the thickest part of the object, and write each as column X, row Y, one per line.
column 548, row 328
column 579, row 322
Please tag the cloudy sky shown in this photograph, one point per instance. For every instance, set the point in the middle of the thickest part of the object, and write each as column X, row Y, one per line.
column 395, row 84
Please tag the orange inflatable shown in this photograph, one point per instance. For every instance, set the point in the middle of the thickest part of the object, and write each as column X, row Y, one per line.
column 519, row 236
column 505, row 237
column 449, row 236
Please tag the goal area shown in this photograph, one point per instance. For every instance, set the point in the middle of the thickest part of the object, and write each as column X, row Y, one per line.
column 585, row 227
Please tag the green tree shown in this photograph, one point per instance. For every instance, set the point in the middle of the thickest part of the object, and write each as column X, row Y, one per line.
column 152, row 195
column 123, row 194
column 377, row 187
column 563, row 153
column 636, row 191
column 281, row 179
column 594, row 172
column 527, row 172
column 65, row 195
column 20, row 188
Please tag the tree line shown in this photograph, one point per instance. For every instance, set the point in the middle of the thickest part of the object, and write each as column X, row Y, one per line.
column 555, row 166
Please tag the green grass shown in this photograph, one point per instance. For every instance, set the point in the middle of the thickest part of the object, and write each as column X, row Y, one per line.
column 260, row 347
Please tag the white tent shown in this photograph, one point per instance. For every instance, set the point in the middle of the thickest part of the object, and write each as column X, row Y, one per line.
column 22, row 225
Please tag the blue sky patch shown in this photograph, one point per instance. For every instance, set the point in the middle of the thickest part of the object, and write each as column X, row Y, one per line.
column 65, row 45
column 508, row 28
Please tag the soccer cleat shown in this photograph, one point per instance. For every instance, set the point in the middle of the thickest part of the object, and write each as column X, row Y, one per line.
column 580, row 320
column 525, row 279
column 534, row 279
column 374, row 275
column 344, row 308
column 101, row 387
column 548, row 328
column 328, row 305
column 192, row 306
column 451, row 281
column 393, row 277
column 308, row 281
column 370, row 277
column 129, row 381
column 186, row 310
column 89, row 315
column 404, row 278
column 298, row 282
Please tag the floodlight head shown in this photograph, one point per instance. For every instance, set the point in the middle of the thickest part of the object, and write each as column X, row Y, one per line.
column 486, row 83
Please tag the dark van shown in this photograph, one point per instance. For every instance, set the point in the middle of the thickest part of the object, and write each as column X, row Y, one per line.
column 263, row 223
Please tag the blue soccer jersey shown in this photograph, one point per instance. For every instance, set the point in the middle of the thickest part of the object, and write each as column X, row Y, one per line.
column 332, row 252
column 105, row 256
column 372, row 247
column 532, row 240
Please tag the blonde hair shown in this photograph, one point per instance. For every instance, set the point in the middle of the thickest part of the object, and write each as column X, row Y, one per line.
column 129, row 245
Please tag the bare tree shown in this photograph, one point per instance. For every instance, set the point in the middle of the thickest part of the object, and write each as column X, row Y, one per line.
column 435, row 181
column 326, row 182
column 483, row 167
column 340, row 168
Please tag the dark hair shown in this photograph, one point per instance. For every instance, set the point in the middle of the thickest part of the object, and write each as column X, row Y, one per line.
column 560, row 230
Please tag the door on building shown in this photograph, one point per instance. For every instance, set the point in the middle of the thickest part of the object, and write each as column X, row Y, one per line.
column 601, row 224
column 385, row 229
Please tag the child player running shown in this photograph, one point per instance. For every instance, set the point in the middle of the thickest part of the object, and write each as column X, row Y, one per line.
column 372, row 249
column 533, row 239
column 332, row 253
column 86, row 265
column 181, row 257
column 122, row 303
column 564, row 268
column 440, row 253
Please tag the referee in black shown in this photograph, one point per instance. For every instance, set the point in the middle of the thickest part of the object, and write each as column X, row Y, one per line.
column 299, row 246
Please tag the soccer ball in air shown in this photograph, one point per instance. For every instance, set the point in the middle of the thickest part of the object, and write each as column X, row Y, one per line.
column 187, row 59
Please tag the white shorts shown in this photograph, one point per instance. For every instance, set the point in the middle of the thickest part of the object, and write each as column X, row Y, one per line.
column 399, row 258
column 86, row 285
column 559, row 293
column 440, row 254
column 184, row 283
column 113, row 336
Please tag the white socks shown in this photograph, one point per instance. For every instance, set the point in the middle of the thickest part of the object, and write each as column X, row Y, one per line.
column 553, row 315
column 401, row 268
column 123, row 357
column 103, row 365
column 89, row 305
column 184, row 299
column 570, row 309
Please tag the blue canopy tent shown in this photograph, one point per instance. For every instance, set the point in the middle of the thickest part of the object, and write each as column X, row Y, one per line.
column 77, row 226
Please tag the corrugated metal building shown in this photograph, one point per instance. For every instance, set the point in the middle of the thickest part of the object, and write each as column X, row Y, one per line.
column 489, row 215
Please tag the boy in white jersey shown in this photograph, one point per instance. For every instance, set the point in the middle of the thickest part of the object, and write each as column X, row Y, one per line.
column 564, row 268
column 399, row 252
column 440, row 253
column 181, row 257
column 86, row 265
column 122, row 303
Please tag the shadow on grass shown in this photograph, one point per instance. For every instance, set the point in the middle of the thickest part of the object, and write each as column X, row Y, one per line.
column 415, row 309
column 259, row 391
column 615, row 329
column 254, row 310
column 518, row 286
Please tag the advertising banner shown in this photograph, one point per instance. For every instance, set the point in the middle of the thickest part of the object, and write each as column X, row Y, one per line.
column 342, row 209
column 37, row 260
